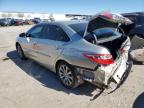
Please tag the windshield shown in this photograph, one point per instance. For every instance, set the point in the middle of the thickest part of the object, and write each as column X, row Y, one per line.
column 105, row 33
column 79, row 28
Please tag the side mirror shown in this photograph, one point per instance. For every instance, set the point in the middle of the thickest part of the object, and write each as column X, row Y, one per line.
column 28, row 35
column 22, row 35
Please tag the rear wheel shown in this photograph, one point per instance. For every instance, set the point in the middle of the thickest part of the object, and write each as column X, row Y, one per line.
column 67, row 75
column 20, row 52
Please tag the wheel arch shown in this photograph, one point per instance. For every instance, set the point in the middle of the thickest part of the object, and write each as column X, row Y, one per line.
column 58, row 62
column 17, row 43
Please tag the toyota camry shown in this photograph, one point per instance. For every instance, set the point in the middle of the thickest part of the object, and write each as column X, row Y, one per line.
column 95, row 51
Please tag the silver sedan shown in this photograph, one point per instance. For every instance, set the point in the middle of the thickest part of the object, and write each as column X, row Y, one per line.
column 95, row 51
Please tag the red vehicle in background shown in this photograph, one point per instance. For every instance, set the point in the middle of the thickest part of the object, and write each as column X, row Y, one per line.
column 29, row 22
column 17, row 22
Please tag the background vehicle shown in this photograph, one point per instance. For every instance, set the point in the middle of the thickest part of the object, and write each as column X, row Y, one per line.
column 37, row 20
column 136, row 33
column 17, row 22
column 78, row 51
column 4, row 22
column 29, row 22
column 46, row 20
column 137, row 28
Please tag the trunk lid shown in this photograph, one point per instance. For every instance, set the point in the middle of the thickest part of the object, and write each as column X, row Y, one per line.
column 104, row 28
column 105, row 20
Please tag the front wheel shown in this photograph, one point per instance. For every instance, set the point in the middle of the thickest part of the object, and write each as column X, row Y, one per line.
column 20, row 52
column 67, row 75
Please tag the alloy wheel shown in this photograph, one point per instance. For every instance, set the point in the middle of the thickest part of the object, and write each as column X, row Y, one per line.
column 66, row 75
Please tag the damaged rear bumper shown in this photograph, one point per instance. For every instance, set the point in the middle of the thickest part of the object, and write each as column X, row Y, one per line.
column 126, row 73
column 103, row 76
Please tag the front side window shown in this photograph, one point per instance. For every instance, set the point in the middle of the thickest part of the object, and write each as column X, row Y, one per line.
column 54, row 32
column 105, row 33
column 36, row 32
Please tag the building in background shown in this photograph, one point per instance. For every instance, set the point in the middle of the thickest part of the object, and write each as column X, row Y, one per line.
column 45, row 16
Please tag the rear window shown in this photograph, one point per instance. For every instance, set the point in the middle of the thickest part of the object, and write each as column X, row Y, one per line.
column 79, row 28
column 105, row 33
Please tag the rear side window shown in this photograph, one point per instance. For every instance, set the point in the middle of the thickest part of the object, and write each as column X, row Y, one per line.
column 54, row 32
column 79, row 28
column 105, row 33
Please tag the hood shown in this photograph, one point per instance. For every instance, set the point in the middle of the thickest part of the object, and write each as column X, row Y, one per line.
column 105, row 20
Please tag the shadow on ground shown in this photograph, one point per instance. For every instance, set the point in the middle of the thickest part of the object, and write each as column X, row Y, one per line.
column 139, row 102
column 46, row 77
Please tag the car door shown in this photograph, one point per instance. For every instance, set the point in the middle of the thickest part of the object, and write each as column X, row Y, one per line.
column 31, row 47
column 51, row 44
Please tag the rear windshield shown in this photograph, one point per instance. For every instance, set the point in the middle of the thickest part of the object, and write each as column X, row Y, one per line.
column 106, row 33
column 79, row 28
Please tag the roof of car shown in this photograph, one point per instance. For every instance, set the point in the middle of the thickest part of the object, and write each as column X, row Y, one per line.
column 66, row 22
column 73, row 22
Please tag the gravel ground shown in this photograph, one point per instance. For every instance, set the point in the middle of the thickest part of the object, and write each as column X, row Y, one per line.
column 26, row 84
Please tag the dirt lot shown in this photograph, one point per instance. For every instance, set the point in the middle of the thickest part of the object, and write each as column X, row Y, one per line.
column 26, row 84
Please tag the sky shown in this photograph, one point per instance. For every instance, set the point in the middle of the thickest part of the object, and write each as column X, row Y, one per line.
column 72, row 6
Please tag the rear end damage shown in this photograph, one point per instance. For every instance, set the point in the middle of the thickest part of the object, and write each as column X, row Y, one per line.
column 112, row 65
column 109, row 75
column 106, row 77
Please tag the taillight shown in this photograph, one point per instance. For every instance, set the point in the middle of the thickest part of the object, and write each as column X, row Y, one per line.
column 104, row 59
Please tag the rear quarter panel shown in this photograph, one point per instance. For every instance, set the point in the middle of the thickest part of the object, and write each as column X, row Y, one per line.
column 73, row 53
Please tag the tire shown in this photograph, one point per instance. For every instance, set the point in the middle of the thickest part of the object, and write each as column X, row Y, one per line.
column 20, row 52
column 67, row 75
